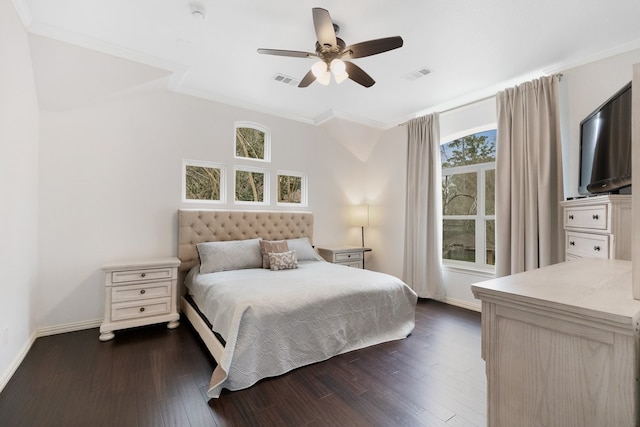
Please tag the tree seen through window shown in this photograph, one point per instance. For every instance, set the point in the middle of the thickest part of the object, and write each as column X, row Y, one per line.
column 468, row 198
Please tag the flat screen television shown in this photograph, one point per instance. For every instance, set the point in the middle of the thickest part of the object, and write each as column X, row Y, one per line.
column 605, row 147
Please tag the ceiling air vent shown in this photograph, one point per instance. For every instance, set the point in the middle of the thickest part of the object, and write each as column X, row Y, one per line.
column 285, row 79
column 421, row 72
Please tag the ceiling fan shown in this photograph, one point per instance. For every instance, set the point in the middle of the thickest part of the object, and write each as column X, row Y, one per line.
column 333, row 54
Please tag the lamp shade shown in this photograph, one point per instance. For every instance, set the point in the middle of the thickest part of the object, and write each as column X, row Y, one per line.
column 359, row 216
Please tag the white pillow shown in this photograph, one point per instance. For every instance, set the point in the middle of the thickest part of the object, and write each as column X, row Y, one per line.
column 303, row 248
column 229, row 255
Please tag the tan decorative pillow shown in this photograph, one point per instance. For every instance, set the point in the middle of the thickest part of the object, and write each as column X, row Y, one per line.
column 271, row 246
column 283, row 260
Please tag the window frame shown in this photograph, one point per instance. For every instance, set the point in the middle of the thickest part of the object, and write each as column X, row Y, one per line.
column 481, row 217
column 303, row 188
column 265, row 190
column 267, row 141
column 204, row 164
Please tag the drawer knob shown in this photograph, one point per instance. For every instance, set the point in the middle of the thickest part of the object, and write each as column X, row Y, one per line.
column 596, row 248
column 570, row 216
column 142, row 291
column 349, row 256
column 141, row 309
column 143, row 275
column 572, row 243
column 595, row 216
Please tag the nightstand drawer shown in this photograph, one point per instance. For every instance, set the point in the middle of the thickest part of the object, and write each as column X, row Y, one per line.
column 142, row 308
column 355, row 264
column 139, row 275
column 588, row 245
column 348, row 256
column 592, row 217
column 141, row 291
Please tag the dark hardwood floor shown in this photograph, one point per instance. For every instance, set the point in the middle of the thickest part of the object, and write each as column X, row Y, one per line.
column 157, row 377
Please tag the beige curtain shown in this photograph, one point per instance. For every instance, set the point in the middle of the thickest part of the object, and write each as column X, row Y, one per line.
column 528, row 178
column 423, row 216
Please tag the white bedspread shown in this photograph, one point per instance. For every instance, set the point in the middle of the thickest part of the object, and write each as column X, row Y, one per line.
column 275, row 321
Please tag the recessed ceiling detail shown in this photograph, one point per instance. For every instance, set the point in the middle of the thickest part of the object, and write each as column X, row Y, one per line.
column 215, row 58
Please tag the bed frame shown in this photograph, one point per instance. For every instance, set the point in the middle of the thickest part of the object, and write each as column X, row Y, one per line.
column 197, row 226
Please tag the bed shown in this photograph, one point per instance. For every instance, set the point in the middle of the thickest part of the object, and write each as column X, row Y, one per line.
column 262, row 322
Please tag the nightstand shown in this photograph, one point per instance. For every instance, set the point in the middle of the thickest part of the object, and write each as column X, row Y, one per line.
column 351, row 256
column 140, row 293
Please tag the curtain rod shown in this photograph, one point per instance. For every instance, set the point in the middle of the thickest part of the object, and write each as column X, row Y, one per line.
column 559, row 75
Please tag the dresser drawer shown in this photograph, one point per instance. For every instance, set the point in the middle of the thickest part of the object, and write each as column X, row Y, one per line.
column 141, row 291
column 588, row 245
column 348, row 256
column 142, row 308
column 140, row 275
column 591, row 217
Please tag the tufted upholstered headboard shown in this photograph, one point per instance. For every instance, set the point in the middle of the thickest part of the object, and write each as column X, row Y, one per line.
column 197, row 226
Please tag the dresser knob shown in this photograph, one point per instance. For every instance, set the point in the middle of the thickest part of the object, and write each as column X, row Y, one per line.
column 595, row 216
column 570, row 216
column 142, row 291
column 143, row 274
column 141, row 309
column 572, row 243
column 596, row 248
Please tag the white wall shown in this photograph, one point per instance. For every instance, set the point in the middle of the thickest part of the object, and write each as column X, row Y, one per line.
column 586, row 87
column 110, row 183
column 583, row 88
column 386, row 188
column 18, row 192
column 102, row 180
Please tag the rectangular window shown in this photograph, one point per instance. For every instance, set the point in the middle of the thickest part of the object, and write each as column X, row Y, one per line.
column 468, row 200
column 203, row 182
column 251, row 185
column 292, row 188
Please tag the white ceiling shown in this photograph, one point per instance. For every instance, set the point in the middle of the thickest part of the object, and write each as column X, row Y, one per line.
column 472, row 47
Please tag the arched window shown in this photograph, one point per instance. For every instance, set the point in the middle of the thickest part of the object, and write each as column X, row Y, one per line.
column 253, row 141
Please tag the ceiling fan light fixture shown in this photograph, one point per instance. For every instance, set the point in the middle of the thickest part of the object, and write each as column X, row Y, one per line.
column 340, row 77
column 324, row 79
column 319, row 69
column 338, row 66
column 339, row 70
column 329, row 50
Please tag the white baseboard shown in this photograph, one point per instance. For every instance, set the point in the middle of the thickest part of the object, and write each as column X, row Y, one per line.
column 6, row 375
column 43, row 332
column 464, row 304
column 69, row 327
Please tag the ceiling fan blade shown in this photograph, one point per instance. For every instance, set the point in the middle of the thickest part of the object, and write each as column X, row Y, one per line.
column 324, row 27
column 293, row 53
column 307, row 79
column 373, row 47
column 358, row 75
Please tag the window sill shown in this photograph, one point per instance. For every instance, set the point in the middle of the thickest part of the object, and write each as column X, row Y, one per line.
column 488, row 272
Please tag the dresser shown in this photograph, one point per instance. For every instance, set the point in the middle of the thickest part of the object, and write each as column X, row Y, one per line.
column 561, row 346
column 598, row 227
column 351, row 256
column 139, row 293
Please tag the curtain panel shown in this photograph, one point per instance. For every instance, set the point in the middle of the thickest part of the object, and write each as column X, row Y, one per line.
column 423, row 214
column 529, row 184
